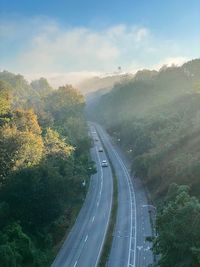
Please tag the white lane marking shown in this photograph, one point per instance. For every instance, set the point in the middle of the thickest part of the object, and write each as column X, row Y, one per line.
column 98, row 204
column 97, row 261
column 86, row 238
column 131, row 188
column 128, row 182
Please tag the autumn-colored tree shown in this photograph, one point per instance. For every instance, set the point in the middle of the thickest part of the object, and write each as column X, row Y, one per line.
column 41, row 172
column 5, row 101
column 55, row 145
column 26, row 120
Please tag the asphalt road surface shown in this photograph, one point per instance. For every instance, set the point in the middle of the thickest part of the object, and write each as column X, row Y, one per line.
column 84, row 244
column 129, row 247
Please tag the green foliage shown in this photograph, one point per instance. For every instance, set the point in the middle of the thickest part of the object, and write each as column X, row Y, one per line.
column 18, row 149
column 178, row 226
column 44, row 160
column 155, row 118
column 20, row 89
column 26, row 121
column 42, row 87
column 65, row 102
column 66, row 106
column 4, row 98
column 16, row 247
column 56, row 146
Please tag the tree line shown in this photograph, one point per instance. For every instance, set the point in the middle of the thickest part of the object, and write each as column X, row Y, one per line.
column 44, row 159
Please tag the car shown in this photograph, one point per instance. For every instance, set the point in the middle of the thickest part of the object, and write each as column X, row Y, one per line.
column 104, row 163
column 96, row 139
column 100, row 149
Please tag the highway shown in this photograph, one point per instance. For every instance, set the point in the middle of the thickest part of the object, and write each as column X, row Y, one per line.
column 129, row 247
column 84, row 244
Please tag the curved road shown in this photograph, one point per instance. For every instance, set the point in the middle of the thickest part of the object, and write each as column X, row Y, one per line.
column 84, row 244
column 129, row 247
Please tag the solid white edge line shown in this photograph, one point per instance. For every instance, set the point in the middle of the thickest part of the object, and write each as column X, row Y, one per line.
column 128, row 182
column 135, row 211
column 98, row 200
column 97, row 261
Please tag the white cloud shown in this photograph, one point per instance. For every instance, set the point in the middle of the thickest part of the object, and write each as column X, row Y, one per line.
column 80, row 48
column 43, row 47
column 70, row 54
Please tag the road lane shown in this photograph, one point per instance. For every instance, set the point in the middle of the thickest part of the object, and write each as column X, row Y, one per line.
column 129, row 247
column 84, row 244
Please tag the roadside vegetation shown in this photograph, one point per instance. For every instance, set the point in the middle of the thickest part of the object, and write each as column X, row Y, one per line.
column 44, row 159
column 155, row 118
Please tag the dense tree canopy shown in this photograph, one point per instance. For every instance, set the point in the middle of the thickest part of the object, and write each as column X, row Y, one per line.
column 155, row 117
column 43, row 162
column 5, row 101
column 178, row 226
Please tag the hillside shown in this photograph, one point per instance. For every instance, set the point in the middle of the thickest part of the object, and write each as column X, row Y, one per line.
column 156, row 120
column 43, row 161
column 105, row 83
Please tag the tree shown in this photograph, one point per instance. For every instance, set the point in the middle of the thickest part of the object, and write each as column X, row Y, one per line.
column 26, row 121
column 16, row 248
column 65, row 102
column 5, row 100
column 18, row 149
column 178, row 226
column 56, row 146
column 42, row 87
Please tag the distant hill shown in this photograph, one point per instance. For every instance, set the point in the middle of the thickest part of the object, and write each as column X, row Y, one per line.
column 106, row 83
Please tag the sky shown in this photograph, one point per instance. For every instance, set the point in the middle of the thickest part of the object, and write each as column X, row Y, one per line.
column 66, row 41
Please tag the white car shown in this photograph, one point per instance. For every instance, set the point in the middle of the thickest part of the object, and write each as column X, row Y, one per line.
column 104, row 163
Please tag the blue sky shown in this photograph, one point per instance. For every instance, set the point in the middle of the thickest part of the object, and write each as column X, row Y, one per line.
column 79, row 37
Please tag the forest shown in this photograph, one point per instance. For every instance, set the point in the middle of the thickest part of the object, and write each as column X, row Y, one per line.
column 155, row 118
column 44, row 168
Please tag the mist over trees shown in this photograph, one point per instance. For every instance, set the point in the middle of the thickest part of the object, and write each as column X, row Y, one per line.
column 155, row 118
column 43, row 163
